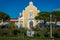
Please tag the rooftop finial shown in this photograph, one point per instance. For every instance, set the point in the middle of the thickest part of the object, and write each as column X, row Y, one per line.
column 20, row 14
column 30, row 3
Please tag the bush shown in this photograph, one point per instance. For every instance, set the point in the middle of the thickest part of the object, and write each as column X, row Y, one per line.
column 38, row 35
column 25, row 33
column 56, row 35
column 15, row 32
column 46, row 35
column 4, row 32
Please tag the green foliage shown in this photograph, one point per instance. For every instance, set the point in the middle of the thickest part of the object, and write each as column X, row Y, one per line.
column 12, row 26
column 4, row 32
column 4, row 16
column 41, row 33
column 37, row 18
column 56, row 33
column 46, row 15
column 56, row 14
column 42, row 15
column 15, row 32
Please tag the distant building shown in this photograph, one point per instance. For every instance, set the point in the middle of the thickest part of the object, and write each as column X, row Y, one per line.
column 14, row 19
column 26, row 18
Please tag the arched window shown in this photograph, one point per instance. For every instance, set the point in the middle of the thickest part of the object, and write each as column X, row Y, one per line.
column 30, row 14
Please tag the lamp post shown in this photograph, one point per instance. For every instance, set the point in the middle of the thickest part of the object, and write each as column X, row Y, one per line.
column 50, row 25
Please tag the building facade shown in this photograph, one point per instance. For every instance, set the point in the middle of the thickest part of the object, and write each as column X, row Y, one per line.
column 26, row 18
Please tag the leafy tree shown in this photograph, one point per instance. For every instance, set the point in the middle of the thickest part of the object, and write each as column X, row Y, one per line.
column 46, row 16
column 43, row 16
column 56, row 15
column 4, row 16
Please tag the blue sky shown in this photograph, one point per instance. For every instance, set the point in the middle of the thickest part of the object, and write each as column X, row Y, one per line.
column 14, row 7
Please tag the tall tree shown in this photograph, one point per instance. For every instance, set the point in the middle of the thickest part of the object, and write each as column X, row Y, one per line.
column 4, row 16
column 43, row 16
column 56, row 15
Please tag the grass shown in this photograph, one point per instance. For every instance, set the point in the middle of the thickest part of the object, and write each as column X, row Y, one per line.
column 23, row 38
column 20, row 36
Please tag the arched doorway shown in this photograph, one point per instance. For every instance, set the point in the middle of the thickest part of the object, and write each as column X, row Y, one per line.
column 31, row 24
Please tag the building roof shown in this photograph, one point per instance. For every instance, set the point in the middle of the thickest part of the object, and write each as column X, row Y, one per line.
column 14, row 19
